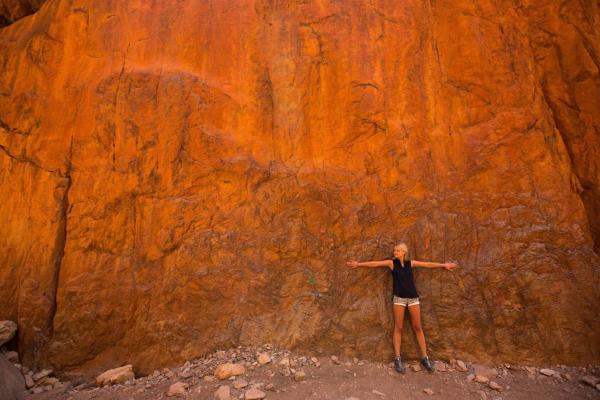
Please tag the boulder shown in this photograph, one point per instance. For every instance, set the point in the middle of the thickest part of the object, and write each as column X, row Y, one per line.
column 12, row 384
column 7, row 331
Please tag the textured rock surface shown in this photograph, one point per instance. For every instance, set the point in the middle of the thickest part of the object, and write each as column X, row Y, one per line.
column 178, row 178
column 12, row 10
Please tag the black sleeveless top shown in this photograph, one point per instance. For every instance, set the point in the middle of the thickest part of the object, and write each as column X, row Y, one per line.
column 404, row 285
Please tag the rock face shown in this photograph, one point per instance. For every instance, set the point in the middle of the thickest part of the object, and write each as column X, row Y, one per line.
column 11, row 10
column 193, row 176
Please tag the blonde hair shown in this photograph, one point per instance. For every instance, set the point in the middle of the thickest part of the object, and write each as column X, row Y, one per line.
column 403, row 246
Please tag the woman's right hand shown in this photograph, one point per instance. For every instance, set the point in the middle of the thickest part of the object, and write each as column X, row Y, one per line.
column 352, row 264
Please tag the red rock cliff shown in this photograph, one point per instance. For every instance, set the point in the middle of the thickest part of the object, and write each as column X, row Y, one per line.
column 183, row 176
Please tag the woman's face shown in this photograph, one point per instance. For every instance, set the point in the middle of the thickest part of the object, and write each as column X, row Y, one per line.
column 398, row 252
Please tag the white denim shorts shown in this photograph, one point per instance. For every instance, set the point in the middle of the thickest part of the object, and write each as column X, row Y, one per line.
column 402, row 301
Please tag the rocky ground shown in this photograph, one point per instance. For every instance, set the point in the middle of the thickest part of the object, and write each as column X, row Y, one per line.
column 271, row 373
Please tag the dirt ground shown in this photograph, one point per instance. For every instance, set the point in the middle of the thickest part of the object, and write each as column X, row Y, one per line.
column 325, row 379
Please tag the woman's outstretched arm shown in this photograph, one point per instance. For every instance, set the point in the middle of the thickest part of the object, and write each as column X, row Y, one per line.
column 382, row 263
column 427, row 264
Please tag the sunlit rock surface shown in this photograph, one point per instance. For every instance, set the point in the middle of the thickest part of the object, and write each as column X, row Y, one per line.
column 177, row 177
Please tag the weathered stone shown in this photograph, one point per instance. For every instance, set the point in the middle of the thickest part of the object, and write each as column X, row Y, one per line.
column 12, row 384
column 115, row 375
column 299, row 376
column 227, row 370
column 49, row 380
column 263, row 358
column 254, row 394
column 42, row 374
column 13, row 10
column 139, row 171
column 481, row 379
column 29, row 382
column 547, row 372
column 482, row 370
column 7, row 331
column 494, row 385
column 223, row 393
column 177, row 388
column 428, row 391
column 461, row 366
column 240, row 383
column 590, row 380
column 440, row 366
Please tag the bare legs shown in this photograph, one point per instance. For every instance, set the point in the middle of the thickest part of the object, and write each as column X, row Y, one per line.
column 415, row 318
column 398, row 322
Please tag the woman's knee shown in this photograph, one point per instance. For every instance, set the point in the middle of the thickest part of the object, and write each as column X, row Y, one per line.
column 417, row 328
column 397, row 328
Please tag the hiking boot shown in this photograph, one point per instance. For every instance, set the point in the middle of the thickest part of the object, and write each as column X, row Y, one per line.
column 426, row 362
column 398, row 365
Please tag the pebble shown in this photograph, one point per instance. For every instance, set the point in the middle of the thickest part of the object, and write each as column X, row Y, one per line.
column 285, row 362
column 240, row 383
column 29, row 383
column 223, row 393
column 42, row 374
column 495, row 386
column 254, row 394
column 177, row 388
column 547, row 372
column 428, row 391
column 482, row 394
column 378, row 393
column 482, row 370
column 590, row 380
column 299, row 376
column 440, row 366
column 461, row 366
column 263, row 358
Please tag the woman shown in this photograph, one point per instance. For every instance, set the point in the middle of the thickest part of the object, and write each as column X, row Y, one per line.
column 405, row 296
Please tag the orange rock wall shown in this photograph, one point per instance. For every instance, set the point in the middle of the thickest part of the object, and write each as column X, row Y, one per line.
column 181, row 177
column 12, row 10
